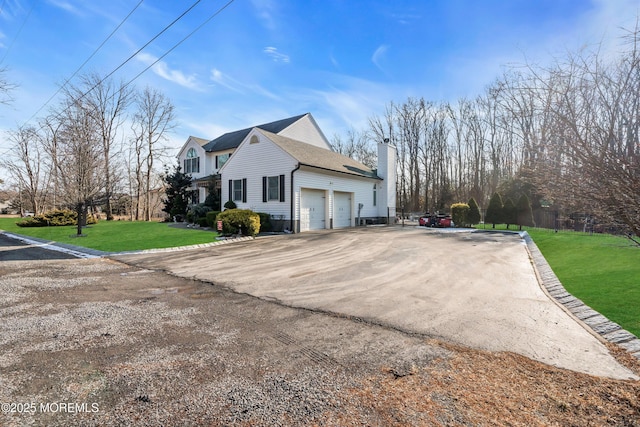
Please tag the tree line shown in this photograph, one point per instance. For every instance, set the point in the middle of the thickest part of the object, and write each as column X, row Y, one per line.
column 102, row 145
column 564, row 135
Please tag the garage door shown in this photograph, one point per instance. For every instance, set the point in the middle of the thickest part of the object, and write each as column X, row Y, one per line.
column 341, row 209
column 312, row 208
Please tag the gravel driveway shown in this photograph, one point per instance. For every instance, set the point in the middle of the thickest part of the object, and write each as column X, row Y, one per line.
column 477, row 289
column 96, row 342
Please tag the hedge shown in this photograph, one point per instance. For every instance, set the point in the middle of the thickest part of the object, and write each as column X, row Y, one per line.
column 211, row 218
column 57, row 217
column 459, row 213
column 235, row 221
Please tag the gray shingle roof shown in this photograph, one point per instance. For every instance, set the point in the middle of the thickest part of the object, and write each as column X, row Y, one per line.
column 310, row 155
column 233, row 139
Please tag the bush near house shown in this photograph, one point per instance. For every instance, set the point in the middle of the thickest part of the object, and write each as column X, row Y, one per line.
column 265, row 221
column 211, row 218
column 57, row 217
column 235, row 221
column 459, row 213
column 197, row 212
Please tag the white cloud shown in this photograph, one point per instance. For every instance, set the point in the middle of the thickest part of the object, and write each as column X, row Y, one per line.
column 265, row 12
column 162, row 69
column 67, row 6
column 235, row 85
column 275, row 55
column 378, row 56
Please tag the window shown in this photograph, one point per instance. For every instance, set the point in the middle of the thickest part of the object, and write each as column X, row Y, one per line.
column 273, row 188
column 238, row 190
column 374, row 195
column 192, row 162
column 222, row 159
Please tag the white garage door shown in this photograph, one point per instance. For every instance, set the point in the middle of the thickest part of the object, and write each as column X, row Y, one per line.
column 312, row 208
column 341, row 209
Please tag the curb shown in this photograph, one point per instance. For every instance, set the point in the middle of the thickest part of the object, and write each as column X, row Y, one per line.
column 81, row 252
column 592, row 320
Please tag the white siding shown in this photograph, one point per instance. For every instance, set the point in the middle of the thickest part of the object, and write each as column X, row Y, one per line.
column 308, row 131
column 362, row 189
column 201, row 153
column 254, row 161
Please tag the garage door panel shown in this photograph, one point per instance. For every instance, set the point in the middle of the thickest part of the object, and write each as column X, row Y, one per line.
column 312, row 209
column 341, row 209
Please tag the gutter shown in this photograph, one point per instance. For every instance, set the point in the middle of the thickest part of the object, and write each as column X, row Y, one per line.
column 292, row 199
column 342, row 172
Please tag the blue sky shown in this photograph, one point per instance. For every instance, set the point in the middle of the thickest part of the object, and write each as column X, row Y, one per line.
column 262, row 60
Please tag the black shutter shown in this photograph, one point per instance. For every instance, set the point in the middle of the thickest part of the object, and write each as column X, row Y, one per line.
column 244, row 190
column 282, row 188
column 217, row 163
column 264, row 189
column 230, row 189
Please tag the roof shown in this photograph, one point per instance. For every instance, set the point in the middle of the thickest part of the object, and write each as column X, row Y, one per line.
column 310, row 155
column 200, row 141
column 233, row 139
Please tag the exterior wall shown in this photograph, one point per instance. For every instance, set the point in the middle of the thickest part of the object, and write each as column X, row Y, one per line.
column 255, row 161
column 361, row 189
column 387, row 171
column 308, row 131
column 204, row 167
column 252, row 162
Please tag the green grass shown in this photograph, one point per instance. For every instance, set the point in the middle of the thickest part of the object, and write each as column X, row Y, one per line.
column 116, row 236
column 601, row 270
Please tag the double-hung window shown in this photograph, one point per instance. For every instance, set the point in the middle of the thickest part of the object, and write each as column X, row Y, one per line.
column 238, row 190
column 273, row 188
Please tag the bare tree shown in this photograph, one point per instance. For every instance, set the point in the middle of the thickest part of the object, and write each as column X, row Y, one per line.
column 26, row 166
column 357, row 146
column 592, row 158
column 78, row 158
column 153, row 120
column 5, row 88
column 106, row 103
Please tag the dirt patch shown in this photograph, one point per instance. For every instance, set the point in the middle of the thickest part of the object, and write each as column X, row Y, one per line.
column 97, row 342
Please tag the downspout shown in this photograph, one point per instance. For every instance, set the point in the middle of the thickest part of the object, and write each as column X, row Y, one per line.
column 292, row 200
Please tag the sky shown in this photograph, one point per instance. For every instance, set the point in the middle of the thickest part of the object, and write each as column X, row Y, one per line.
column 255, row 61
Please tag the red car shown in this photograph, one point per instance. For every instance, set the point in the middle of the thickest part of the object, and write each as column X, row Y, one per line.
column 439, row 220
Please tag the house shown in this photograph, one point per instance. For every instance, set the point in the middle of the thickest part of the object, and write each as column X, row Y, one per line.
column 287, row 169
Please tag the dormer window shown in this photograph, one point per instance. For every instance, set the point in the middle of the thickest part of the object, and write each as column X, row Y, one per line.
column 192, row 162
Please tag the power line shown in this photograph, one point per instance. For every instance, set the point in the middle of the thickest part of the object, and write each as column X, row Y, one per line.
column 86, row 61
column 216, row 13
column 135, row 53
column 24, row 21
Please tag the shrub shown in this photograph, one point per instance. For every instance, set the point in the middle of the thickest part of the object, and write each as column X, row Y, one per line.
column 509, row 213
column 525, row 214
column 230, row 205
column 197, row 211
column 265, row 221
column 459, row 212
column 473, row 216
column 494, row 211
column 57, row 217
column 202, row 221
column 236, row 220
column 211, row 218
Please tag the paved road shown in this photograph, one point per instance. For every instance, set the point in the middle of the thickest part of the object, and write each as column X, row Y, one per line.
column 476, row 289
column 14, row 250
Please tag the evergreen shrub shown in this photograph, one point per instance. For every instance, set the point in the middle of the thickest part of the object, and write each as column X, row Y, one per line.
column 235, row 221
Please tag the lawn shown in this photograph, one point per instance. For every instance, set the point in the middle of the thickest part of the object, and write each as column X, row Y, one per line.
column 117, row 236
column 601, row 270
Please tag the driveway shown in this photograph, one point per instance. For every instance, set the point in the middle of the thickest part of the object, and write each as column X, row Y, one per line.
column 475, row 289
